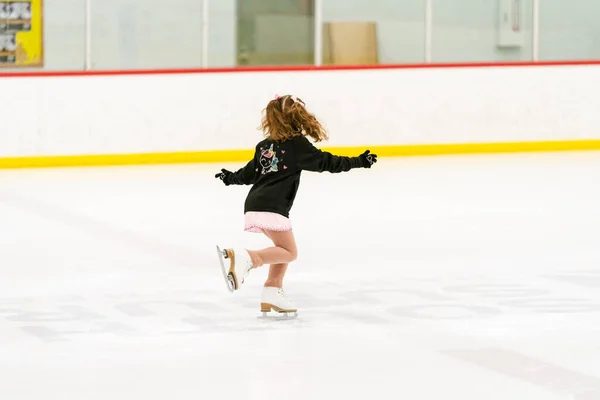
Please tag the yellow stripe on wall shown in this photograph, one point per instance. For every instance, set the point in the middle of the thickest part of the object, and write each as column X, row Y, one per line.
column 245, row 155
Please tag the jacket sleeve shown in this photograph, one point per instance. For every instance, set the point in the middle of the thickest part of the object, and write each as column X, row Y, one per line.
column 309, row 158
column 243, row 176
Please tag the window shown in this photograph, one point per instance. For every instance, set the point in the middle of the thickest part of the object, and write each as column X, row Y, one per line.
column 373, row 31
column 482, row 31
column 275, row 32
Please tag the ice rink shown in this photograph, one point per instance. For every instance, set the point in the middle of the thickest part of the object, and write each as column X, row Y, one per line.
column 467, row 277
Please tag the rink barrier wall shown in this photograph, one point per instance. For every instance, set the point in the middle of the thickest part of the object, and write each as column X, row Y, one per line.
column 103, row 118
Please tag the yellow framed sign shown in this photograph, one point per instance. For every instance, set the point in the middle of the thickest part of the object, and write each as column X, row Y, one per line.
column 21, row 33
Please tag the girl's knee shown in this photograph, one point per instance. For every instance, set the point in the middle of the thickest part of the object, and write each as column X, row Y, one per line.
column 293, row 254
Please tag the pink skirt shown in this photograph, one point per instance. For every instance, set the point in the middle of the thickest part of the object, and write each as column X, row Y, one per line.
column 258, row 222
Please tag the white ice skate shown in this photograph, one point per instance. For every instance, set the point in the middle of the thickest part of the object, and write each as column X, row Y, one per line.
column 275, row 299
column 239, row 267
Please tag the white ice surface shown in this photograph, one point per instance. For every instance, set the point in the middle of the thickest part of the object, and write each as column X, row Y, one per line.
column 471, row 278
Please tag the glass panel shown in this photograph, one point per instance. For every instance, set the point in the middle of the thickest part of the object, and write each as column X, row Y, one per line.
column 373, row 31
column 569, row 30
column 275, row 32
column 222, row 40
column 146, row 34
column 482, row 31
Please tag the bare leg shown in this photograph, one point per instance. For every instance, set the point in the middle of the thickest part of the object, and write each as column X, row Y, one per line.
column 279, row 256
column 273, row 296
column 276, row 274
column 283, row 252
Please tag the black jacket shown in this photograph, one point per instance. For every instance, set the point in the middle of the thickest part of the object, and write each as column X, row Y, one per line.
column 275, row 172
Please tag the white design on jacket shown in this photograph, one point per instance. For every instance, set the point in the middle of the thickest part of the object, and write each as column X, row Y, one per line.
column 268, row 160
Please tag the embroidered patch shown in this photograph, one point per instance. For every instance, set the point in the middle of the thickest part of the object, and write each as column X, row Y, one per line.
column 269, row 161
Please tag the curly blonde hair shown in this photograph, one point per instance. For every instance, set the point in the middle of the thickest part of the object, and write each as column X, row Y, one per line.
column 286, row 117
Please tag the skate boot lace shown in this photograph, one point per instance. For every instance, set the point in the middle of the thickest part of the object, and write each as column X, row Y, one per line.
column 246, row 273
column 247, row 269
column 283, row 294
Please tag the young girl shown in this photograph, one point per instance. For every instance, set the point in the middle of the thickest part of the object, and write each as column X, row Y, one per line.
column 274, row 173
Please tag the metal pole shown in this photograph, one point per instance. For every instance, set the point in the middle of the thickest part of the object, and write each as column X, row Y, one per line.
column 205, row 32
column 318, row 33
column 88, row 35
column 428, row 30
column 536, row 30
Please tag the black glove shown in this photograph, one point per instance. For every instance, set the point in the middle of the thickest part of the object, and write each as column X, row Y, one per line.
column 367, row 159
column 224, row 176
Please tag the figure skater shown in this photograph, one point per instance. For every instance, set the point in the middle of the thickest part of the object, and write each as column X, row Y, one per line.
column 274, row 174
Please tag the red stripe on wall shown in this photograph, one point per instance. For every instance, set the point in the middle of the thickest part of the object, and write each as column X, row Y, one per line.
column 28, row 74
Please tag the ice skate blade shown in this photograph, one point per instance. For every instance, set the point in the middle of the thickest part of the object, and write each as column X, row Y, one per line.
column 278, row 316
column 228, row 279
column 231, row 283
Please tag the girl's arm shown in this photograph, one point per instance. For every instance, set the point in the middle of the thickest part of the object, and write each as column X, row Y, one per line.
column 309, row 158
column 243, row 176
